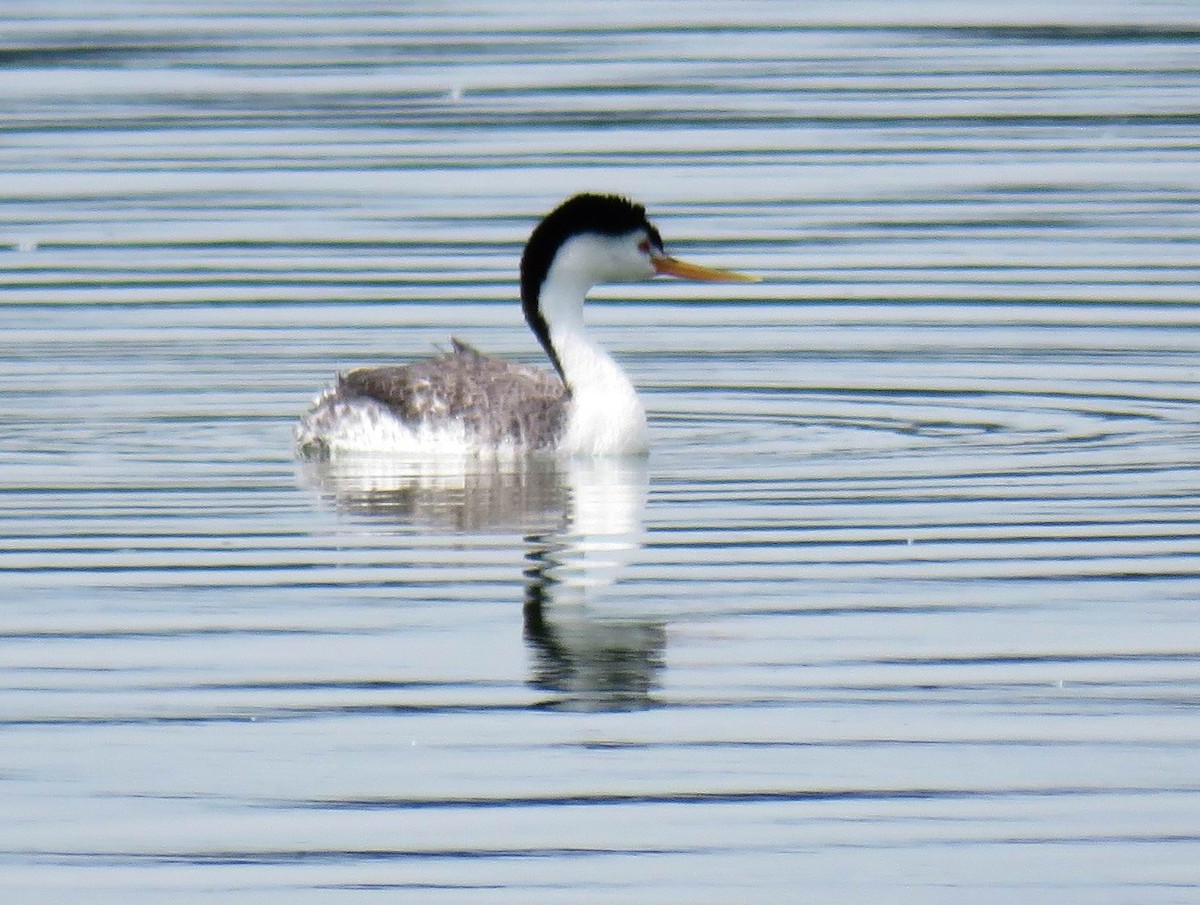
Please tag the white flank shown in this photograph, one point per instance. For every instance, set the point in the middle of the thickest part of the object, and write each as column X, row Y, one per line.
column 362, row 425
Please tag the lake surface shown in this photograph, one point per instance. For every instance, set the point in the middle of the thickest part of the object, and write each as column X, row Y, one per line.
column 904, row 606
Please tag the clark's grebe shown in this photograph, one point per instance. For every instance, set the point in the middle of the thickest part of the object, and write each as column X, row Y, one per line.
column 466, row 402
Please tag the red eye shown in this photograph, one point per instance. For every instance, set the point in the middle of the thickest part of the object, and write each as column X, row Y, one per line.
column 644, row 246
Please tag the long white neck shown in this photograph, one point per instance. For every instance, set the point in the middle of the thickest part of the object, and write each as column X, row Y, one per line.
column 606, row 417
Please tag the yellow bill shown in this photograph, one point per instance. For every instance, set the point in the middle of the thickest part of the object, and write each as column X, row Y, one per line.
column 685, row 271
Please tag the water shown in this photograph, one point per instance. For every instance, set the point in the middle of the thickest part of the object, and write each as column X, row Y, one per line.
column 901, row 607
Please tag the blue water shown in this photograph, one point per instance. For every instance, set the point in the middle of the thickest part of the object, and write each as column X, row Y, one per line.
column 901, row 607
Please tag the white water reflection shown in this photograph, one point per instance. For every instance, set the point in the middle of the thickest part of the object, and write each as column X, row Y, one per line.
column 582, row 524
column 447, row 493
column 590, row 660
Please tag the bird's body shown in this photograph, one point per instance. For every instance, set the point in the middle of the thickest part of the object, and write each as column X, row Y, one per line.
column 451, row 403
column 466, row 402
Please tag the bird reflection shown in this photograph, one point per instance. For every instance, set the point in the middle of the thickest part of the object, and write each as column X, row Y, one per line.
column 582, row 524
column 592, row 663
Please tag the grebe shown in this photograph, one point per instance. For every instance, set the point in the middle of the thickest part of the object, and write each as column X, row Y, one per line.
column 466, row 402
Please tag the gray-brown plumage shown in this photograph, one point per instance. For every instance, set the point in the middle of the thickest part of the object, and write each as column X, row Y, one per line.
column 497, row 401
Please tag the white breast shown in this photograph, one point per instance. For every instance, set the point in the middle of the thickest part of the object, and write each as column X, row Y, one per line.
column 606, row 417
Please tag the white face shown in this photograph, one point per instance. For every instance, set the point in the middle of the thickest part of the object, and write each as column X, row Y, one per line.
column 592, row 258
